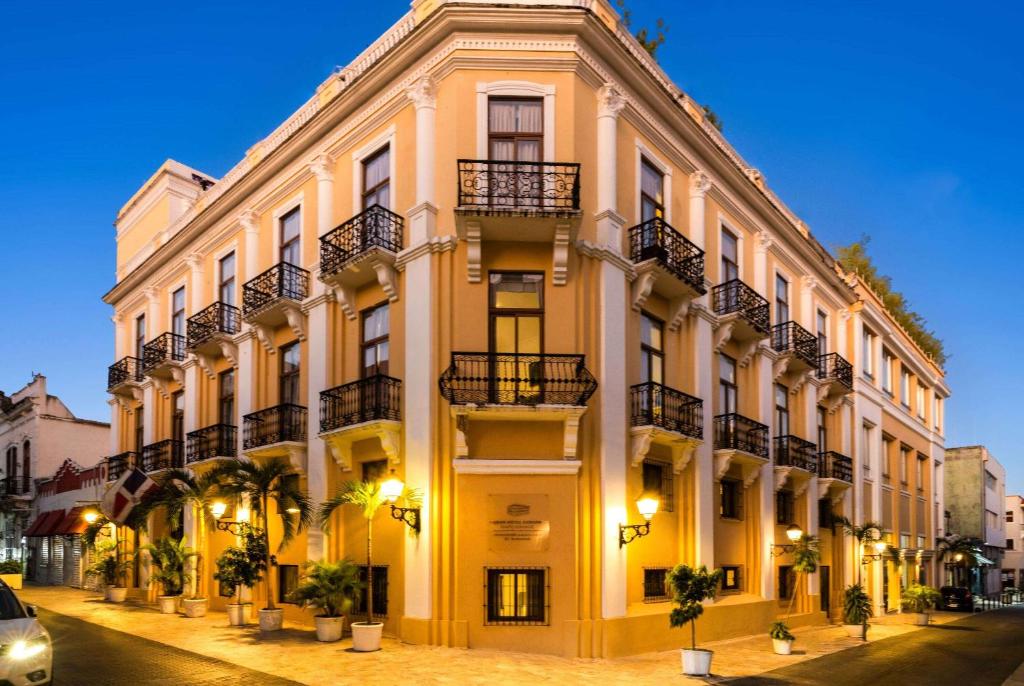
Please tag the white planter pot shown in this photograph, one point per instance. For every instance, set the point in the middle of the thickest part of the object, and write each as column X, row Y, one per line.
column 271, row 620
column 366, row 636
column 782, row 646
column 168, row 604
column 117, row 594
column 328, row 629
column 238, row 614
column 856, row 631
column 106, row 593
column 696, row 662
column 194, row 607
column 921, row 618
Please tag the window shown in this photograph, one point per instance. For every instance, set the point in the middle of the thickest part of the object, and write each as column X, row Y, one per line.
column 1009, row 544
column 377, row 179
column 374, row 470
column 655, row 584
column 785, row 507
column 990, row 480
column 781, row 410
column 826, row 518
column 905, row 387
column 781, row 299
column 785, row 582
column 904, row 464
column 12, row 461
column 938, row 413
column 868, row 446
column 291, row 225
column 226, row 397
column 26, row 461
column 652, row 354
column 730, row 256
column 652, row 199
column 140, row 431
column 868, row 353
column 659, row 479
column 380, row 591
column 178, row 416
column 517, row 596
column 289, row 379
column 375, row 344
column 919, row 471
column 140, row 335
column 727, row 389
column 886, row 452
column 515, row 129
column 921, row 394
column 822, row 332
column 731, row 578
column 991, row 520
column 517, row 312
column 287, row 581
column 822, row 429
column 730, row 499
column 904, row 541
column 887, row 371
column 178, row 312
column 226, row 289
column 1009, row 516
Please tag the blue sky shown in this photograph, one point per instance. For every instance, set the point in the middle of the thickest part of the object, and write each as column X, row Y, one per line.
column 897, row 120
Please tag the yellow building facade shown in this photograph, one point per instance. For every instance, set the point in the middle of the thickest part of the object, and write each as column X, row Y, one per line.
column 503, row 256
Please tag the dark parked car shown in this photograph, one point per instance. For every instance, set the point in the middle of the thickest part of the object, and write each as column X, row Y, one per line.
column 957, row 598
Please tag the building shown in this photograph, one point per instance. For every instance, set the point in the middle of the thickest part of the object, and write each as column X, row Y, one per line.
column 502, row 255
column 1013, row 553
column 975, row 499
column 37, row 433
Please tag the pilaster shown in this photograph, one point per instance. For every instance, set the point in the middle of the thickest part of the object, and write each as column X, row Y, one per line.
column 700, row 184
column 191, row 388
column 148, row 412
column 246, row 342
column 767, row 481
column 705, row 362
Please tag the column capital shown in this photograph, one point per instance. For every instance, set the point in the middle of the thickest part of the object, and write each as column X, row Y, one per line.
column 423, row 92
column 194, row 260
column 609, row 101
column 248, row 219
column 763, row 241
column 152, row 295
column 700, row 184
column 320, row 167
column 809, row 283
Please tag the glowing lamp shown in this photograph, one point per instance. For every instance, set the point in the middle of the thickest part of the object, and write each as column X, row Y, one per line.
column 647, row 507
column 793, row 533
column 91, row 516
column 958, row 557
column 879, row 547
column 218, row 508
column 391, row 489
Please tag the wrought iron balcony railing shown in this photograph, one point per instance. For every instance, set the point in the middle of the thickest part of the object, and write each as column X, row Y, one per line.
column 519, row 186
column 655, row 239
column 120, row 463
column 375, row 397
column 217, row 318
column 283, row 280
column 374, row 227
column 833, row 465
column 127, row 369
column 791, row 338
column 834, row 366
column 166, row 454
column 656, row 405
column 219, row 440
column 793, row 451
column 736, row 296
column 277, row 424
column 517, row 379
column 736, row 432
column 167, row 347
column 16, row 485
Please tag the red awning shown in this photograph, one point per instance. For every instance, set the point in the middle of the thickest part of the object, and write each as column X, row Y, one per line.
column 72, row 523
column 45, row 523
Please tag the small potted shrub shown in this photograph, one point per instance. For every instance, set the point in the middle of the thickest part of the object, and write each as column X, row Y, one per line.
column 856, row 611
column 782, row 638
column 919, row 599
column 111, row 566
column 805, row 561
column 690, row 588
column 169, row 558
column 241, row 567
column 11, row 573
column 329, row 587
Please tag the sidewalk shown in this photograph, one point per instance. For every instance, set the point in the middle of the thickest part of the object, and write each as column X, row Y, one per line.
column 303, row 659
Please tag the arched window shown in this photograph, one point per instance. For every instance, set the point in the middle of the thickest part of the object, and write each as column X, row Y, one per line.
column 12, row 461
column 26, row 460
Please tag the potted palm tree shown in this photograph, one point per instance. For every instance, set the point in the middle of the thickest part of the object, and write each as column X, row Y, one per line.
column 262, row 483
column 805, row 561
column 690, row 588
column 918, row 599
column 329, row 587
column 856, row 611
column 111, row 566
column 861, row 534
column 242, row 567
column 169, row 558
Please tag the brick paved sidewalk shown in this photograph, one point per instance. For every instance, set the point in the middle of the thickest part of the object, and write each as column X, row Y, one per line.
column 301, row 658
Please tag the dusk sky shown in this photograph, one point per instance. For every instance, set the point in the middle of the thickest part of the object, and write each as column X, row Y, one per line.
column 896, row 120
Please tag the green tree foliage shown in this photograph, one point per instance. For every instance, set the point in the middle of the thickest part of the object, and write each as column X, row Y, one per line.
column 690, row 588
column 650, row 39
column 854, row 258
column 712, row 117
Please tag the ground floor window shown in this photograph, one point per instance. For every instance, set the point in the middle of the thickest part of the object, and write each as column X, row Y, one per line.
column 655, row 588
column 731, row 578
column 517, row 596
column 380, row 591
column 287, row 581
column 785, row 582
column 1008, row 578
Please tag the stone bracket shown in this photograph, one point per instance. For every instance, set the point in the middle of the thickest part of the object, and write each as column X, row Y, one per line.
column 682, row 447
column 340, row 441
column 473, row 251
column 205, row 363
column 747, row 353
column 569, row 416
column 265, row 335
column 723, row 332
column 560, row 259
column 751, row 467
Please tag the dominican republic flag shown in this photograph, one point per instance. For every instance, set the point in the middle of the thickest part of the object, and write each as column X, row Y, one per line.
column 125, row 494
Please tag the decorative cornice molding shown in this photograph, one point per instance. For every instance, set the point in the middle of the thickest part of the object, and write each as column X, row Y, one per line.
column 435, row 244
column 584, row 247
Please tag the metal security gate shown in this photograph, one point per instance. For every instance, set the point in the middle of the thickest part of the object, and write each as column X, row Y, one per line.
column 73, row 561
column 56, row 576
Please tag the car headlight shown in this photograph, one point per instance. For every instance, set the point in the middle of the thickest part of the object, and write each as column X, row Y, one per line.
column 24, row 649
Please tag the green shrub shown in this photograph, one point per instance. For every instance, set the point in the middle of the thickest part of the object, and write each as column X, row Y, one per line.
column 780, row 632
column 690, row 588
column 918, row 598
column 11, row 567
column 856, row 605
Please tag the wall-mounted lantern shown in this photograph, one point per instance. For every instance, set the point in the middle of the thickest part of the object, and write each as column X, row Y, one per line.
column 647, row 506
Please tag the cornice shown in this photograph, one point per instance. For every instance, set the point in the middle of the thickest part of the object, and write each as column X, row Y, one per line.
column 437, row 244
column 600, row 252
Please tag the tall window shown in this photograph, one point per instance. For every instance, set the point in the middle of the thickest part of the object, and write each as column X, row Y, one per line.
column 781, row 299
column 904, row 464
column 887, row 371
column 921, row 394
column 515, row 129
column 822, row 332
column 938, row 413
column 26, row 460
column 730, row 499
column 659, row 480
column 516, row 596
column 781, row 410
column 377, row 179
column 140, row 335
column 726, row 384
column 868, row 353
column 867, row 438
column 380, row 591
column 290, row 227
column 886, row 453
column 226, row 289
column 730, row 256
column 785, row 582
column 822, row 429
column 226, row 397
column 289, row 379
column 140, row 430
column 919, row 471
column 785, row 507
column 652, row 354
column 376, row 329
column 905, row 386
column 178, row 416
column 178, row 312
column 517, row 312
column 12, row 461
column 652, row 183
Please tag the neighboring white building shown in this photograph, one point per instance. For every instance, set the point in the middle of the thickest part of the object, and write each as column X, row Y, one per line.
column 1013, row 556
column 37, row 433
column 975, row 499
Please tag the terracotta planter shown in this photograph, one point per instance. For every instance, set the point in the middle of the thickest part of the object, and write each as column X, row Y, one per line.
column 366, row 636
column 168, row 604
column 271, row 620
column 238, row 614
column 328, row 629
column 781, row 646
column 856, row 631
column 696, row 662
column 194, row 607
column 117, row 594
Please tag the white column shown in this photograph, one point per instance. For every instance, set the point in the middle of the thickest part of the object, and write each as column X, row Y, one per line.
column 243, row 380
column 762, row 244
column 700, row 184
column 148, row 412
column 152, row 313
column 766, row 482
column 423, row 215
column 115, row 426
column 609, row 104
column 191, row 388
column 120, row 339
column 807, row 313
column 704, row 484
column 811, row 422
column 197, row 288
column 250, row 223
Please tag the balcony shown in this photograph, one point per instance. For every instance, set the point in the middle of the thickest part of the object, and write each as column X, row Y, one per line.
column 166, row 454
column 793, row 451
column 740, row 442
column 742, row 317
column 797, row 350
column 211, row 333
column 833, row 465
column 274, row 298
column 13, row 486
column 124, row 378
column 368, row 408
column 211, row 442
column 360, row 251
column 837, row 376
column 278, row 431
column 502, row 200
column 162, row 357
column 661, row 415
column 668, row 264
column 121, row 463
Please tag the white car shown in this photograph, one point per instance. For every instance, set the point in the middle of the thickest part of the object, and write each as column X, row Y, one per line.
column 26, row 654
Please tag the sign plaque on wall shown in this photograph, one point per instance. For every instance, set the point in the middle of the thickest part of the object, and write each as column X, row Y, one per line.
column 518, row 523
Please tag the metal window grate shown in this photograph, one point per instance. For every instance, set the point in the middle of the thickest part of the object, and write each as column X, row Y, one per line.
column 516, row 595
column 655, row 584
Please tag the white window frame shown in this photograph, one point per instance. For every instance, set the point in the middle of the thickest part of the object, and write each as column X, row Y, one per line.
column 368, row 149
column 642, row 153
column 726, row 225
column 515, row 89
column 867, row 351
column 217, row 257
column 279, row 212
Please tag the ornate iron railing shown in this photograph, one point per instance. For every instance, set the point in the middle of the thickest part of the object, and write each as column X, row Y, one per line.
column 793, row 451
column 834, row 366
column 375, row 397
column 167, row 347
column 655, row 239
column 519, row 186
column 656, row 405
column 166, row 454
column 217, row 318
column 517, row 379
column 374, row 227
column 736, row 432
column 790, row 337
column 736, row 296
column 274, row 425
column 120, row 463
column 16, row 485
column 283, row 280
column 833, row 465
column 219, row 440
column 124, row 370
